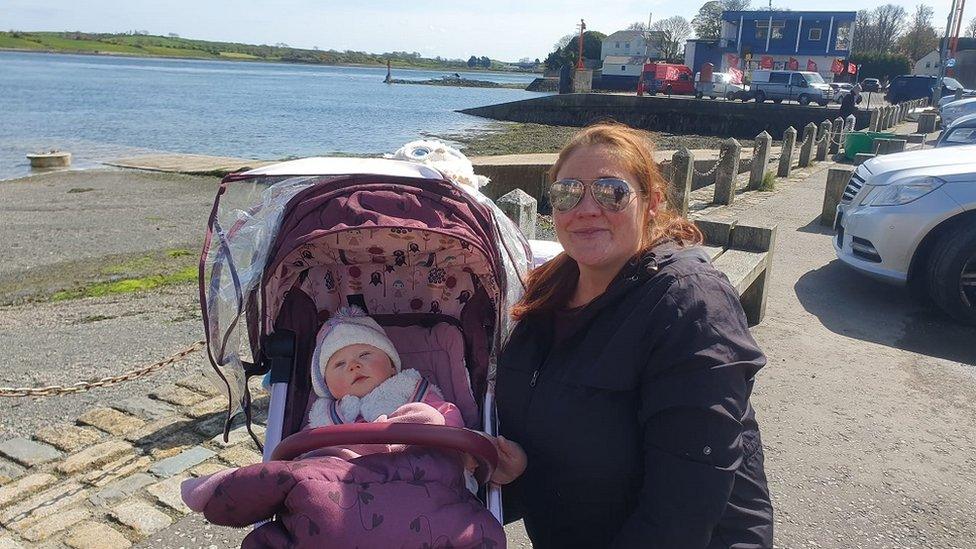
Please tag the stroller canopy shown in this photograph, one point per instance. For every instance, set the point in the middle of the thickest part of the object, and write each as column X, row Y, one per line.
column 394, row 237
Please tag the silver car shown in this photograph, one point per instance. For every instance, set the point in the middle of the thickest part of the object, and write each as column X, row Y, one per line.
column 961, row 132
column 910, row 219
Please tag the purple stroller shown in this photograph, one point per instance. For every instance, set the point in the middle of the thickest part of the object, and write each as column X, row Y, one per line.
column 434, row 262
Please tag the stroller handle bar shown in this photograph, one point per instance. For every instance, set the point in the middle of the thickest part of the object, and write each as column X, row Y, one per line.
column 471, row 442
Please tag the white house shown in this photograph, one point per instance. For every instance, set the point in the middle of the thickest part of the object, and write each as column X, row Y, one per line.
column 928, row 65
column 631, row 43
column 614, row 65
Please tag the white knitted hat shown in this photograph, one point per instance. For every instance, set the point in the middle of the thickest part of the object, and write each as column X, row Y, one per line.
column 349, row 326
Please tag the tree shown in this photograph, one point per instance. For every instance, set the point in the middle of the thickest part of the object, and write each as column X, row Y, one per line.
column 889, row 20
column 485, row 62
column 971, row 28
column 674, row 31
column 472, row 62
column 637, row 26
column 920, row 37
column 878, row 30
column 881, row 65
column 708, row 22
column 568, row 53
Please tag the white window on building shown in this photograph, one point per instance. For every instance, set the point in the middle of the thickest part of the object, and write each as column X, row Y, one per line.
column 843, row 41
column 617, row 45
column 623, row 67
column 815, row 35
column 762, row 28
column 627, row 45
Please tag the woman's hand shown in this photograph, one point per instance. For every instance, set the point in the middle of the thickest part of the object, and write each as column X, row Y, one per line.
column 511, row 461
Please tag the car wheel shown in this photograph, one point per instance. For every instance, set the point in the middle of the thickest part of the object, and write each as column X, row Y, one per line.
column 804, row 99
column 730, row 96
column 952, row 274
column 760, row 97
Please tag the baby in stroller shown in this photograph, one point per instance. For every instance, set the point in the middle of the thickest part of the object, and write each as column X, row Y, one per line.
column 356, row 374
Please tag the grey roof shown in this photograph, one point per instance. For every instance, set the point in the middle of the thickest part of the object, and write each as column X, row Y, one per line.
column 625, row 35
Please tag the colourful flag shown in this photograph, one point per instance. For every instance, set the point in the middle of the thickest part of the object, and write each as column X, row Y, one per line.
column 811, row 66
column 766, row 62
column 736, row 75
column 733, row 60
column 794, row 65
column 837, row 67
column 851, row 68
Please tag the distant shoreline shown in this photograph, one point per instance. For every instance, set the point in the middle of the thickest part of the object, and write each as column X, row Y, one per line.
column 271, row 61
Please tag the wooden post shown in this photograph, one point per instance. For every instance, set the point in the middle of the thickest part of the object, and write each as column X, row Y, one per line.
column 760, row 159
column 727, row 170
column 786, row 154
column 521, row 208
column 824, row 136
column 837, row 179
column 837, row 128
column 682, row 170
column 806, row 148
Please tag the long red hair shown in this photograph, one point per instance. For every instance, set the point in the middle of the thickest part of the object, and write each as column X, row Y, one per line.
column 551, row 285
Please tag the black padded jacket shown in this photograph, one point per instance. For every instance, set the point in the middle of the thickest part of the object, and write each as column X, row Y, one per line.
column 638, row 426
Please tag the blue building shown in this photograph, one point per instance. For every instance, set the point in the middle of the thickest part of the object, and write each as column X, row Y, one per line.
column 805, row 38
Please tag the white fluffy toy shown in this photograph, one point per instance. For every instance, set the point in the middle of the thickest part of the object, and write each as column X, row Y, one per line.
column 443, row 158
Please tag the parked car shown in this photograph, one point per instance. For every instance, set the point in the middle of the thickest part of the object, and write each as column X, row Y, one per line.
column 910, row 219
column 805, row 87
column 720, row 86
column 956, row 109
column 945, row 100
column 666, row 78
column 919, row 86
column 870, row 85
column 840, row 90
column 961, row 132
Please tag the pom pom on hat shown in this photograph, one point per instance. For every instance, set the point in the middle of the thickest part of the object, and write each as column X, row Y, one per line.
column 349, row 326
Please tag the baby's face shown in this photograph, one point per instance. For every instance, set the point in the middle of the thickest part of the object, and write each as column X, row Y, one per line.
column 357, row 370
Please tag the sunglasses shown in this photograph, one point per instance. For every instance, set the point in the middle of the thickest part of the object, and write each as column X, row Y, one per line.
column 611, row 193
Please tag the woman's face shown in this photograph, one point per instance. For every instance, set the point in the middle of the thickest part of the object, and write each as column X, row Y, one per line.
column 595, row 237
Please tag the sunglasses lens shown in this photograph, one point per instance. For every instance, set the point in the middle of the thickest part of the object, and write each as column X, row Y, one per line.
column 565, row 194
column 612, row 193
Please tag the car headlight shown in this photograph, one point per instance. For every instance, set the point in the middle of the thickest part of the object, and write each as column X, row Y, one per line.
column 903, row 192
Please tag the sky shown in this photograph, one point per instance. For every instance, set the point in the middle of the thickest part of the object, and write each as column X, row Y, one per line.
column 506, row 29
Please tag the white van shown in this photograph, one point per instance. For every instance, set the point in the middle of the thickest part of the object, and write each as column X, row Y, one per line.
column 802, row 86
column 720, row 86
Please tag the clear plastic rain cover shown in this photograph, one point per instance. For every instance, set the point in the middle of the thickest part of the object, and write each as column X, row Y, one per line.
column 245, row 224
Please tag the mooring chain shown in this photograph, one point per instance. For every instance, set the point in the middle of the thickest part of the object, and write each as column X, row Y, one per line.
column 710, row 171
column 52, row 390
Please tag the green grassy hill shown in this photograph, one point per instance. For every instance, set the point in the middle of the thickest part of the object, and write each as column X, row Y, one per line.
column 172, row 46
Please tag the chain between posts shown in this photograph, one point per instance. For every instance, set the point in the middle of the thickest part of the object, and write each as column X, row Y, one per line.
column 711, row 170
column 57, row 390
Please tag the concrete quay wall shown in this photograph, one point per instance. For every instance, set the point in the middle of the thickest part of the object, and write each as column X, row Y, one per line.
column 672, row 115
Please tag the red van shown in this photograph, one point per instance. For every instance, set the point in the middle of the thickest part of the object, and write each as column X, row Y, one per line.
column 668, row 78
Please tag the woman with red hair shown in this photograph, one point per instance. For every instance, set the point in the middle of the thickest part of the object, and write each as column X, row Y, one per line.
column 628, row 375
